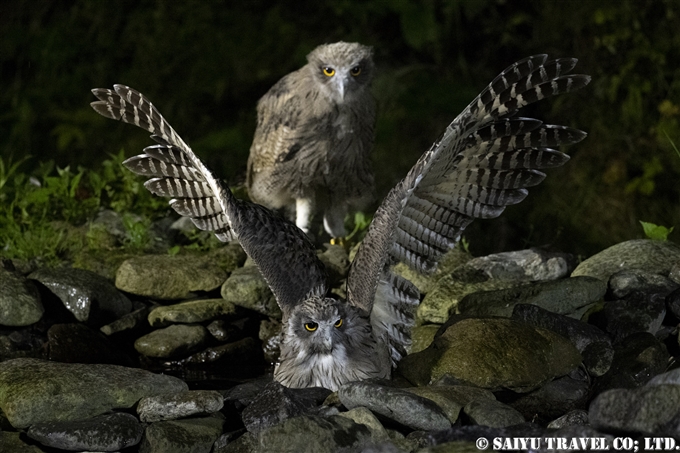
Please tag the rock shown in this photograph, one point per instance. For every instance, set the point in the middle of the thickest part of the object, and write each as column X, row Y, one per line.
column 174, row 406
column 656, row 257
column 576, row 417
column 247, row 443
column 243, row 394
column 493, row 354
column 451, row 398
column 132, row 320
column 277, row 403
column 168, row 277
column 247, row 288
column 19, row 300
column 492, row 413
column 649, row 410
column 637, row 359
column 625, row 282
column 557, row 397
column 526, row 265
column 673, row 303
column 470, row 433
column 195, row 435
column 87, row 295
column 567, row 297
column 23, row 343
column 399, row 405
column 442, row 300
column 271, row 335
column 593, row 344
column 229, row 257
column 336, row 261
column 242, row 358
column 309, row 433
column 363, row 416
column 637, row 313
column 34, row 391
column 77, row 343
column 194, row 311
column 669, row 377
column 11, row 443
column 422, row 337
column 102, row 433
column 174, row 341
column 222, row 331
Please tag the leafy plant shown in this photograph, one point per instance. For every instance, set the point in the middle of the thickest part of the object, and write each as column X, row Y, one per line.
column 656, row 232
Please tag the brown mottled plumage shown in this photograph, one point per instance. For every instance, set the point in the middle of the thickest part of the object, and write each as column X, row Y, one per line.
column 311, row 150
column 483, row 162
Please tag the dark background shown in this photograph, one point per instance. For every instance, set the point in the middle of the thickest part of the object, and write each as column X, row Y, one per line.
column 205, row 64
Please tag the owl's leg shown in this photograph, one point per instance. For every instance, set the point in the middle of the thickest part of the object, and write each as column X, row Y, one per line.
column 304, row 208
column 334, row 220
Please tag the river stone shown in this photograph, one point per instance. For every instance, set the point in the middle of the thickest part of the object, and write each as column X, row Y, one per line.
column 365, row 417
column 174, row 406
column 109, row 432
column 132, row 320
column 493, row 354
column 451, row 398
column 229, row 257
column 529, row 265
column 309, row 433
column 442, row 300
column 172, row 341
column 399, row 405
column 422, row 337
column 564, row 296
column 637, row 313
column 247, row 288
column 243, row 356
column 35, row 391
column 87, row 295
column 577, row 417
column 625, row 282
column 194, row 311
column 195, row 435
column 11, row 443
column 593, row 344
column 77, row 343
column 492, row 413
column 168, row 277
column 657, row 257
column 669, row 377
column 649, row 410
column 19, row 300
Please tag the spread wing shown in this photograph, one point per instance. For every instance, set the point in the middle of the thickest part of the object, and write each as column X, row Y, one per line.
column 283, row 253
column 484, row 161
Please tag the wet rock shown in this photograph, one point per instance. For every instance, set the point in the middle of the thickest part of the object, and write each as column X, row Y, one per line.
column 276, row 403
column 247, row 443
column 103, row 433
column 243, row 394
column 34, row 391
column 625, row 282
column 593, row 344
column 674, row 274
column 637, row 359
column 656, row 257
column 557, row 397
column 194, row 311
column 77, row 343
column 649, row 410
column 673, row 303
column 242, row 358
column 11, row 443
column 492, row 413
column 528, row 265
column 309, row 433
column 576, row 417
column 399, row 405
column 451, row 398
column 470, row 433
column 88, row 296
column 422, row 337
column 174, row 406
column 567, row 297
column 493, row 354
column 196, row 435
column 247, row 288
column 222, row 331
column 19, row 300
column 669, row 377
column 23, row 343
column 443, row 299
column 637, row 313
column 168, row 277
column 172, row 341
column 271, row 335
column 365, row 417
column 131, row 321
column 336, row 261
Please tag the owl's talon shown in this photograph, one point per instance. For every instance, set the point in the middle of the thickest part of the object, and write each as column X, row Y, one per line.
column 340, row 241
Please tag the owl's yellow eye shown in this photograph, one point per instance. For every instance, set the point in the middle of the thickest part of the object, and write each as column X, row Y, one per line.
column 311, row 326
column 338, row 323
column 328, row 71
column 355, row 71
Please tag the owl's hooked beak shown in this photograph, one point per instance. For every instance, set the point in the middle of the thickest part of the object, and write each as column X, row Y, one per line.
column 341, row 86
column 327, row 343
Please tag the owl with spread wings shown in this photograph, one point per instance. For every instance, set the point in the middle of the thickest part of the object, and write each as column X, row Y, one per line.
column 484, row 161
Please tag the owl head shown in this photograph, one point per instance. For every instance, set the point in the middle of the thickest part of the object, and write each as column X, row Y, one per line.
column 342, row 69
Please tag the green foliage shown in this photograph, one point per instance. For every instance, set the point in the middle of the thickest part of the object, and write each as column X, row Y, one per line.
column 357, row 225
column 656, row 232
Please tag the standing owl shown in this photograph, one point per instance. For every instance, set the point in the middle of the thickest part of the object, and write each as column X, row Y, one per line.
column 311, row 150
column 483, row 162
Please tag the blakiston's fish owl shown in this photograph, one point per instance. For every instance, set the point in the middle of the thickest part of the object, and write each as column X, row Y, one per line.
column 483, row 162
column 311, row 150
